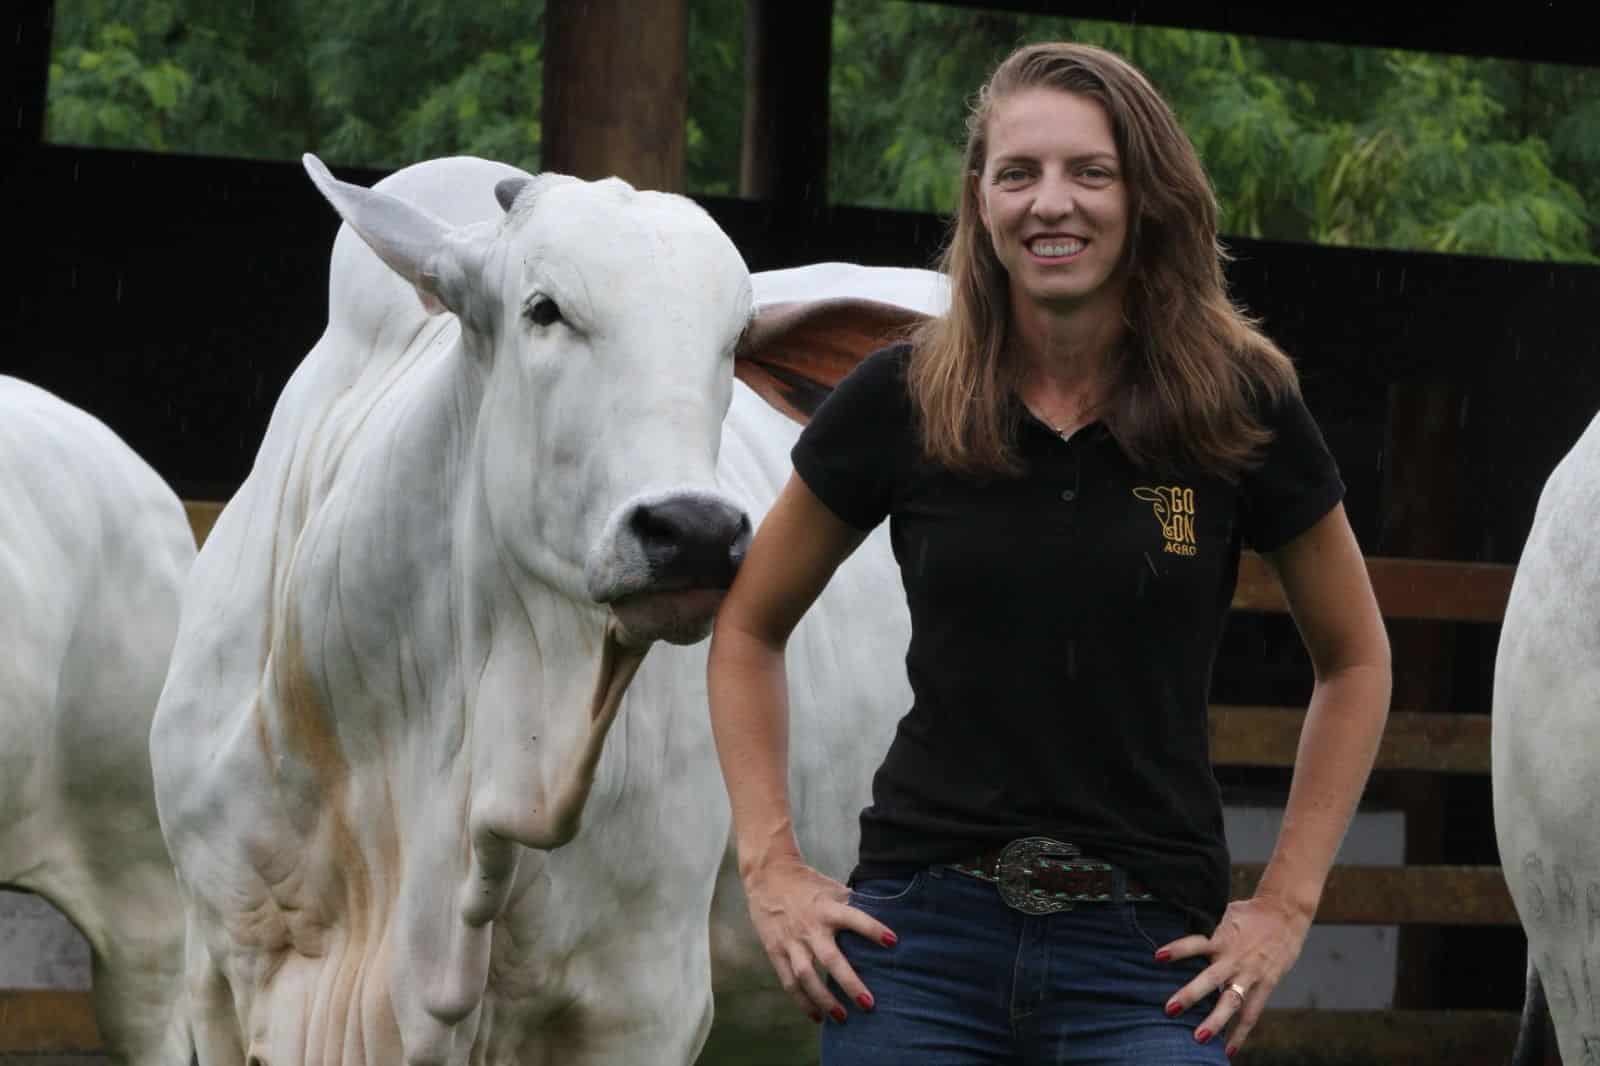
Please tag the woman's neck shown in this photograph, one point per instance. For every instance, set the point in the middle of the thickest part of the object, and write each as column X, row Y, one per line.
column 1064, row 360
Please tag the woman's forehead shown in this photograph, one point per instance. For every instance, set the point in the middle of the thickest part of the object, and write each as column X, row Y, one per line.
column 1042, row 120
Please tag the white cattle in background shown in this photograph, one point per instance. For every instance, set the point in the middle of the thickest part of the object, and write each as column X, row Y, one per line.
column 1545, row 746
column 93, row 550
column 403, row 670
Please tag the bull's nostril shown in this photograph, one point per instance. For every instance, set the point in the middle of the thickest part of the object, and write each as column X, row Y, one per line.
column 691, row 540
column 740, row 543
column 653, row 526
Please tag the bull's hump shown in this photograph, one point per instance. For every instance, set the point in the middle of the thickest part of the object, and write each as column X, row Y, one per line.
column 458, row 190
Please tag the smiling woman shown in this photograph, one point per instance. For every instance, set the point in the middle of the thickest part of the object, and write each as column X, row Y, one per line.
column 1053, row 200
column 1070, row 459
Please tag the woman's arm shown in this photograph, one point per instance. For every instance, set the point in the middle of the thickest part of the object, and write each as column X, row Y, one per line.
column 796, row 911
column 1325, row 580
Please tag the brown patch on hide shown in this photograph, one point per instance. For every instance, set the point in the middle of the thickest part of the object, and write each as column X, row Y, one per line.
column 335, row 872
column 308, row 730
column 794, row 354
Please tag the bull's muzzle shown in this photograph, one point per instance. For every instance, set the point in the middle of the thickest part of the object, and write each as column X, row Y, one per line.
column 691, row 541
column 666, row 562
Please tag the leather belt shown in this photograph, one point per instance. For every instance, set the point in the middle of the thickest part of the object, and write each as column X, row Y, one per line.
column 1038, row 875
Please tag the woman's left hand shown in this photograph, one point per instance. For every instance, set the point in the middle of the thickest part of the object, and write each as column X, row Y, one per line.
column 1253, row 947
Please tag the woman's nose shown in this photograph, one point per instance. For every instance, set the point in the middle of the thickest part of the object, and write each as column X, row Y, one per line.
column 1053, row 199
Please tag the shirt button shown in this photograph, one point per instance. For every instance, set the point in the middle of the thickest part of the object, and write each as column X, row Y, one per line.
column 1069, row 495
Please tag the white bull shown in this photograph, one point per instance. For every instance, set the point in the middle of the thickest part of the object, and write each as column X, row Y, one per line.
column 409, row 633
column 1545, row 746
column 93, row 549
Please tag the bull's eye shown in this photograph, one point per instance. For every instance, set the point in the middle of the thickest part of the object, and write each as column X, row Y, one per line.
column 542, row 311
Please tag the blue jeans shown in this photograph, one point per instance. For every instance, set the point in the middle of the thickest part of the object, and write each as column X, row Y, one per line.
column 975, row 983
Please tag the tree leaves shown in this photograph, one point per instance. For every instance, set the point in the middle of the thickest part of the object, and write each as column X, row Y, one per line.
column 1303, row 141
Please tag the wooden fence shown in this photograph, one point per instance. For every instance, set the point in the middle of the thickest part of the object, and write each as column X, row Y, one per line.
column 1434, row 741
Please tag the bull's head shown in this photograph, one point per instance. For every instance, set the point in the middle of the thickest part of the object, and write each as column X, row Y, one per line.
column 597, row 333
column 604, row 322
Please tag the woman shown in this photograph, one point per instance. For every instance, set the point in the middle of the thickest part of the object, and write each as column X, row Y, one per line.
column 1070, row 460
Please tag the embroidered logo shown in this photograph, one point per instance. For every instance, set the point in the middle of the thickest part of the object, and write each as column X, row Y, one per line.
column 1174, row 509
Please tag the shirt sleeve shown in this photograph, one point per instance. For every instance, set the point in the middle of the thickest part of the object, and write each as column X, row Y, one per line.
column 847, row 454
column 1296, row 485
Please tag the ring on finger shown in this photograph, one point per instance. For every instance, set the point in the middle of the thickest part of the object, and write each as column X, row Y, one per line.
column 1237, row 989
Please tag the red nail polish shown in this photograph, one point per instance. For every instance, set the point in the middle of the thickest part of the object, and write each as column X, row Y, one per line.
column 1231, row 1051
column 1174, row 1009
column 865, row 999
column 890, row 940
column 816, row 1018
column 1163, row 955
column 1202, row 1035
column 837, row 1014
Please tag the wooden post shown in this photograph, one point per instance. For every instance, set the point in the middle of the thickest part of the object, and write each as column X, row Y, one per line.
column 787, row 52
column 616, row 88
column 1420, row 498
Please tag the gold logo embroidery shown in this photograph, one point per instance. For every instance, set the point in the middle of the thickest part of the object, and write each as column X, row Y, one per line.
column 1174, row 509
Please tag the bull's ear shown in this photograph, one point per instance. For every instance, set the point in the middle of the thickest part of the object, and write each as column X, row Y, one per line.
column 793, row 354
column 506, row 191
column 414, row 244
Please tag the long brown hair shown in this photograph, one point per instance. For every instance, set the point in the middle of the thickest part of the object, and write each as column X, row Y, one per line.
column 1191, row 364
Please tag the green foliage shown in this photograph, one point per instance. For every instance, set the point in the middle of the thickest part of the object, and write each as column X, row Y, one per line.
column 359, row 83
column 109, row 97
column 490, row 109
column 716, row 96
column 1303, row 141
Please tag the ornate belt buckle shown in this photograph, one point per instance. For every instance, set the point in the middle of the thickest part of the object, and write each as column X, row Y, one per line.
column 1018, row 862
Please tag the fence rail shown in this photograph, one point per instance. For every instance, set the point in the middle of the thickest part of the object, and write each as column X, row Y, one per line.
column 1434, row 740
column 47, row 1022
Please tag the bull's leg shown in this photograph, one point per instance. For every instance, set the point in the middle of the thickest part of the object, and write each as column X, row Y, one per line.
column 596, row 1039
column 137, row 986
column 212, row 1017
column 641, row 999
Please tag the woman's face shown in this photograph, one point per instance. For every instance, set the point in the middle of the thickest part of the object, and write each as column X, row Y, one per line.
column 1053, row 199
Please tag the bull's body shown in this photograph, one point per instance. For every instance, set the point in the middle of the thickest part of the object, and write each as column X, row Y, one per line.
column 365, row 749
column 93, row 548
column 1546, row 747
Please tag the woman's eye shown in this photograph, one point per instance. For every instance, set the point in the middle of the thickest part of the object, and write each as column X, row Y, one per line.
column 543, row 311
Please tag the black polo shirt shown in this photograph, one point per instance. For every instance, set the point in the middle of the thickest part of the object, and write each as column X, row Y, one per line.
column 1063, row 629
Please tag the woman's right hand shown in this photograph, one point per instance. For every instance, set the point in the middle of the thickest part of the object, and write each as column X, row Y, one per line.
column 797, row 911
column 798, row 914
